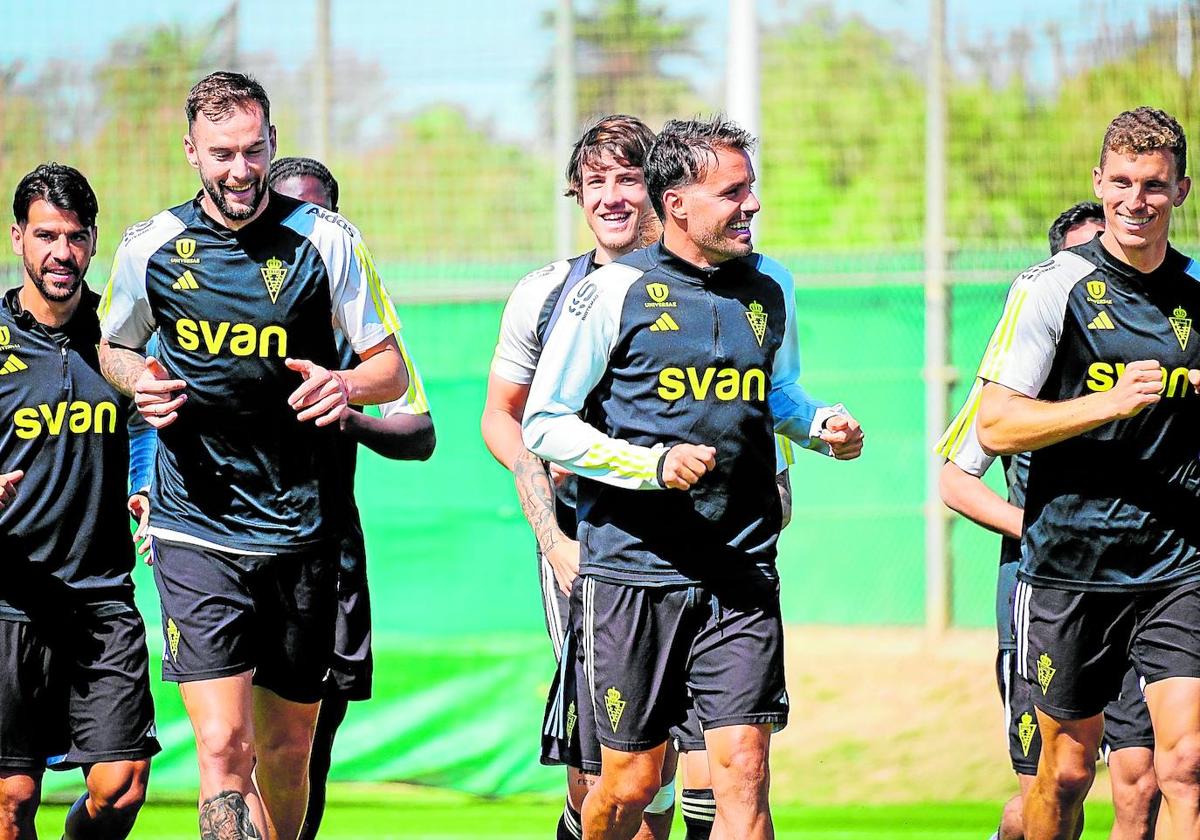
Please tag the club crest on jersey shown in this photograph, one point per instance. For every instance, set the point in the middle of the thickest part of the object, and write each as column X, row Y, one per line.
column 659, row 292
column 274, row 273
column 1046, row 672
column 615, row 706
column 1180, row 323
column 185, row 250
column 1096, row 290
column 758, row 321
column 1025, row 731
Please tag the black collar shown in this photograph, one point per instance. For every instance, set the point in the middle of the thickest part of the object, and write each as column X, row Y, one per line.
column 83, row 326
column 686, row 271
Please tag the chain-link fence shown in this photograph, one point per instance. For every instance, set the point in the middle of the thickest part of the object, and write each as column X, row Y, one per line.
column 439, row 128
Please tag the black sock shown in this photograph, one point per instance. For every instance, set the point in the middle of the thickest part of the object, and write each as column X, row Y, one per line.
column 80, row 826
column 333, row 712
column 570, row 824
column 699, row 811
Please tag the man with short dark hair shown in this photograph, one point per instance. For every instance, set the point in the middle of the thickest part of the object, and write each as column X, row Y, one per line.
column 667, row 372
column 245, row 287
column 1128, row 737
column 76, row 688
column 604, row 175
column 1093, row 369
column 403, row 431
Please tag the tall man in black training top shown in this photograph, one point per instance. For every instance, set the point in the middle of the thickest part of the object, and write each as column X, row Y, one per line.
column 675, row 356
column 403, row 431
column 76, row 685
column 245, row 287
column 1092, row 368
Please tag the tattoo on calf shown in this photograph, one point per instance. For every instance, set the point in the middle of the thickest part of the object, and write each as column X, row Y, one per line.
column 226, row 817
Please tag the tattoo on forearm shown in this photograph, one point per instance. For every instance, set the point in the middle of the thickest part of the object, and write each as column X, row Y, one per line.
column 226, row 816
column 121, row 367
column 537, row 500
column 784, row 483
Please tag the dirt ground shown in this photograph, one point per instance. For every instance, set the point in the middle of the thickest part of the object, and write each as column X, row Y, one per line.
column 892, row 715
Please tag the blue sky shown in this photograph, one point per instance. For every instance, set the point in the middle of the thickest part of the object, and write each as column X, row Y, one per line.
column 484, row 54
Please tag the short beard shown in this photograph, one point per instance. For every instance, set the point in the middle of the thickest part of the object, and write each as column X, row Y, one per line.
column 48, row 291
column 217, row 194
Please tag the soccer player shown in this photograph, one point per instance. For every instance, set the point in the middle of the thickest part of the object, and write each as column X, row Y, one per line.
column 1092, row 369
column 246, row 504
column 605, row 177
column 666, row 373
column 76, row 688
column 403, row 431
column 1128, row 736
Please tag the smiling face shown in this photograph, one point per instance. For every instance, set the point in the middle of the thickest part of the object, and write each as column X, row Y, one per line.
column 615, row 203
column 233, row 156
column 55, row 248
column 1138, row 192
column 713, row 215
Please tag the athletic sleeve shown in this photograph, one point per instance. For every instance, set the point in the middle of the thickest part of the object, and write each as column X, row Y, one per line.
column 412, row 401
column 125, row 316
column 960, row 442
column 361, row 306
column 1022, row 346
column 518, row 347
column 573, row 362
column 798, row 416
column 143, row 441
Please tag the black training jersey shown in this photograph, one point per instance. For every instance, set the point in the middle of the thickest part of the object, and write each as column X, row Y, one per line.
column 237, row 470
column 651, row 351
column 66, row 534
column 1113, row 508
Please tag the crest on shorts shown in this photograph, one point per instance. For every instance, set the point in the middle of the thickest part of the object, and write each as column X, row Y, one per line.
column 173, row 638
column 572, row 718
column 1046, row 672
column 1025, row 731
column 1182, row 325
column 274, row 273
column 615, row 706
column 758, row 321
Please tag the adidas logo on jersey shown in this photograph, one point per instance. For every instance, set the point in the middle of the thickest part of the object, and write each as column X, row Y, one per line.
column 1102, row 322
column 12, row 365
column 185, row 283
column 664, row 323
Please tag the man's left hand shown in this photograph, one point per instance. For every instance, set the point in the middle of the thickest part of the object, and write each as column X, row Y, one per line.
column 844, row 436
column 139, row 508
column 323, row 396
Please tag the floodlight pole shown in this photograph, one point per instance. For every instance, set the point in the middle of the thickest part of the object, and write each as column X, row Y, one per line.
column 324, row 84
column 938, row 580
column 742, row 103
column 564, row 123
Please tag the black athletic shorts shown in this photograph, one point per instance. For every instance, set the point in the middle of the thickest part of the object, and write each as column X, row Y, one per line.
column 76, row 690
column 648, row 651
column 1127, row 719
column 689, row 735
column 569, row 726
column 1075, row 647
column 226, row 613
column 353, row 663
column 556, row 607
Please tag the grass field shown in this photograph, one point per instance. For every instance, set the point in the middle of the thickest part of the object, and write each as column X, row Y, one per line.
column 412, row 815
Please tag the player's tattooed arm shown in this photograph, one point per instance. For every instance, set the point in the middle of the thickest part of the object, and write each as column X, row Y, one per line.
column 537, row 503
column 227, row 817
column 121, row 367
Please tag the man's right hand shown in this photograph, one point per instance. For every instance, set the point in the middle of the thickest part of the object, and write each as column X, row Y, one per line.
column 564, row 561
column 8, row 485
column 154, row 395
column 1138, row 386
column 685, row 463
